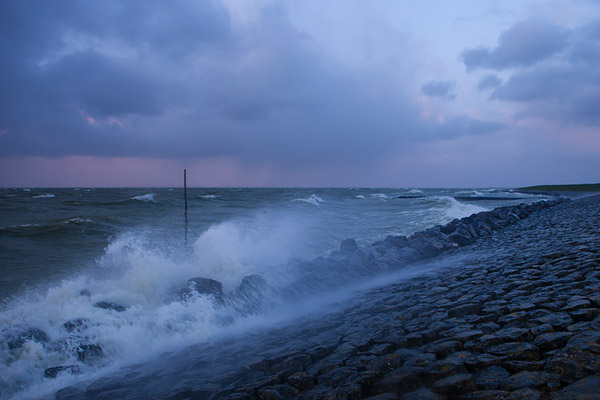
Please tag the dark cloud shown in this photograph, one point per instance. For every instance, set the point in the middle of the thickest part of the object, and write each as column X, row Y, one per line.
column 176, row 80
column 441, row 89
column 524, row 44
column 489, row 81
column 564, row 87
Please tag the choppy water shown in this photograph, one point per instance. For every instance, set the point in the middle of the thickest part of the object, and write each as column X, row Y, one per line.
column 128, row 246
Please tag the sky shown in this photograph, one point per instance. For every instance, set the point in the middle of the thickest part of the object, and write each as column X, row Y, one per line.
column 384, row 93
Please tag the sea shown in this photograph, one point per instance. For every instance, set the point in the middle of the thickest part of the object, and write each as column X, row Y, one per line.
column 62, row 251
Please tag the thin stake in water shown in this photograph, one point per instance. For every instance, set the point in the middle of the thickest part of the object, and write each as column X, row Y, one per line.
column 185, row 197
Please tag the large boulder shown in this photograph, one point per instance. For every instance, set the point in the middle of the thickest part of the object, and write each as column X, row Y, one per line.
column 203, row 286
column 30, row 334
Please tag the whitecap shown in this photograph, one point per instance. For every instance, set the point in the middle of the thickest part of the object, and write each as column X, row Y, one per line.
column 312, row 199
column 360, row 196
column 148, row 197
column 44, row 196
column 381, row 196
column 415, row 191
column 209, row 196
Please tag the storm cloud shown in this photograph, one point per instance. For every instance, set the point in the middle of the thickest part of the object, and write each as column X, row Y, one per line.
column 525, row 43
column 564, row 87
column 441, row 89
column 179, row 80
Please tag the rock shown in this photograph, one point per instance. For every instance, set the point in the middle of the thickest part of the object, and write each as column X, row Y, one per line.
column 484, row 395
column 348, row 246
column 518, row 366
column 573, row 365
column 514, row 334
column 301, row 381
column 519, row 316
column 250, row 284
column 540, row 329
column 401, row 380
column 299, row 361
column 54, row 371
column 466, row 336
column 75, row 324
column 533, row 380
column 422, row 394
column 586, row 388
column 585, row 314
column 560, row 321
column 516, row 351
column 552, row 341
column 30, row 334
column 204, row 286
column 89, row 352
column 383, row 396
column 455, row 384
column 482, row 361
column 526, row 394
column 109, row 305
column 277, row 392
column 443, row 368
column 442, row 348
column 491, row 377
column 465, row 309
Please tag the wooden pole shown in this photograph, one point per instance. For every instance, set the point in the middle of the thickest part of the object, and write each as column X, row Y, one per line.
column 185, row 197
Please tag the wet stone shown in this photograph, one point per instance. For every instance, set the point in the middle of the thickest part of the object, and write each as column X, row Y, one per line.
column 518, row 366
column 519, row 316
column 587, row 388
column 585, row 314
column 468, row 335
column 301, row 381
column 552, row 341
column 76, row 324
column 466, row 309
column 443, row 368
column 383, row 396
column 533, row 380
column 401, row 380
column 483, row 343
column 422, row 394
column 454, row 384
column 278, row 392
column 482, row 361
column 560, row 321
column 514, row 334
column 540, row 329
column 526, row 394
column 491, row 377
column 445, row 347
column 576, row 305
column 110, row 305
column 572, row 366
column 516, row 351
column 53, row 372
column 484, row 395
column 89, row 352
column 31, row 334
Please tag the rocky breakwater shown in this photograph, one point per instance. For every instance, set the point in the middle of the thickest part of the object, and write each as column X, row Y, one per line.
column 520, row 319
column 516, row 316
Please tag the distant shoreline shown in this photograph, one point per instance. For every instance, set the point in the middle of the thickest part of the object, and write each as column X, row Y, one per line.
column 588, row 187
